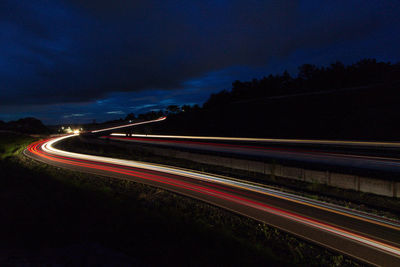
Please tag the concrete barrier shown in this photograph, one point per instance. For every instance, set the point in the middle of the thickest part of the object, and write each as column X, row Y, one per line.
column 379, row 187
column 292, row 172
column 316, row 176
column 257, row 166
column 346, row 181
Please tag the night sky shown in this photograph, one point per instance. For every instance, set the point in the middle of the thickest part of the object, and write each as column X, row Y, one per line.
column 75, row 60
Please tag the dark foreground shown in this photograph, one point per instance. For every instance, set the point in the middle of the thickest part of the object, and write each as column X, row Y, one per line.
column 51, row 215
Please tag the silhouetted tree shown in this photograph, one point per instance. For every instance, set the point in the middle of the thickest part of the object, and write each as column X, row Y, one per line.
column 130, row 117
column 307, row 71
column 186, row 108
column 27, row 125
column 173, row 109
column 252, row 108
column 309, row 79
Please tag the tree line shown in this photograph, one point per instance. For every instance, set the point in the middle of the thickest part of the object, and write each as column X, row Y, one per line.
column 309, row 79
column 357, row 101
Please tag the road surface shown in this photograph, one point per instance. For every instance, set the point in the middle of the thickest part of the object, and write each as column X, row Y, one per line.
column 370, row 238
column 378, row 157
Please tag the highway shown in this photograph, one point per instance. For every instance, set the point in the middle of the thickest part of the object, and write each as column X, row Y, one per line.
column 372, row 239
column 371, row 156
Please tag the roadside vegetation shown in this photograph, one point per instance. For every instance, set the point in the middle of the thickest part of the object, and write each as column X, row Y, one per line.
column 12, row 144
column 52, row 215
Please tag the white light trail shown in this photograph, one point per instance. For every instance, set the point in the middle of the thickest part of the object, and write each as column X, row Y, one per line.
column 269, row 140
column 128, row 125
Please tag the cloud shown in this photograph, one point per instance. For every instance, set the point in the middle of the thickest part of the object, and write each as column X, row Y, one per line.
column 77, row 115
column 74, row 51
column 143, row 106
column 120, row 112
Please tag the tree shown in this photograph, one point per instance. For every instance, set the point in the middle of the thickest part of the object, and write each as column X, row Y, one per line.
column 186, row 108
column 307, row 71
column 173, row 109
column 130, row 117
column 151, row 115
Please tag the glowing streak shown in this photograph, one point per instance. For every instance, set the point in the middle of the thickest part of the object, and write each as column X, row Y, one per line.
column 372, row 159
column 128, row 125
column 267, row 140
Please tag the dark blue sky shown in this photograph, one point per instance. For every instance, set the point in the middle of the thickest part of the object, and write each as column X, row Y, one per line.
column 76, row 60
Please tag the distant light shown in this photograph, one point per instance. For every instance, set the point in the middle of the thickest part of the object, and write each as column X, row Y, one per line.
column 76, row 131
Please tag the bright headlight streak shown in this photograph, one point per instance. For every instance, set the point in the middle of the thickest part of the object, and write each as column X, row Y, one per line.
column 268, row 140
column 48, row 147
column 372, row 160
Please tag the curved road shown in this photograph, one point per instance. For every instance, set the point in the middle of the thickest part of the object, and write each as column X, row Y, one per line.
column 370, row 238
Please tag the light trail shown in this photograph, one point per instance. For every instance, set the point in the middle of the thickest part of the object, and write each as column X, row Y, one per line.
column 325, row 158
column 217, row 187
column 128, row 125
column 229, row 145
column 49, row 148
column 270, row 140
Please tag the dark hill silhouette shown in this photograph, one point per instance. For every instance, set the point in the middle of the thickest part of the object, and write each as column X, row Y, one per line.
column 25, row 125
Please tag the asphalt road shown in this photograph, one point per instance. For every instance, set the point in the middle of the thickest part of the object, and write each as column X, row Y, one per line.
column 370, row 238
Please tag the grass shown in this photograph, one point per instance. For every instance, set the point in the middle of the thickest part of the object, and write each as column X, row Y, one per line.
column 13, row 144
column 45, row 208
